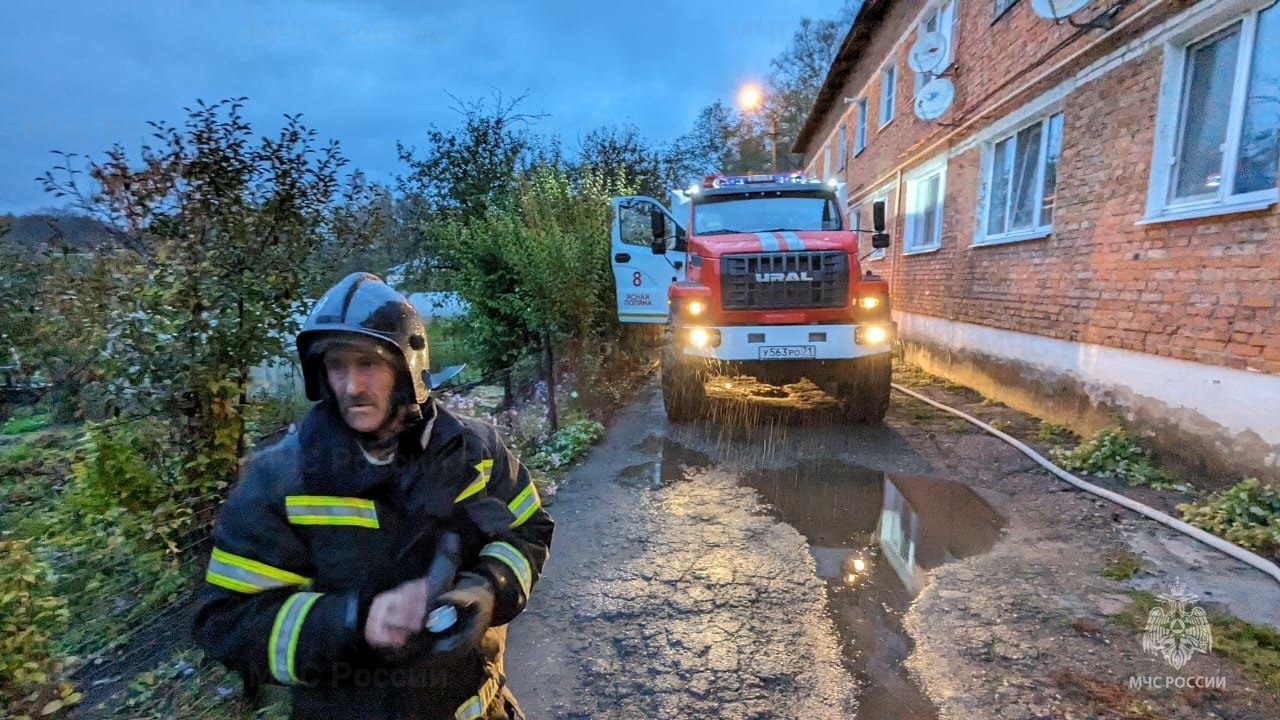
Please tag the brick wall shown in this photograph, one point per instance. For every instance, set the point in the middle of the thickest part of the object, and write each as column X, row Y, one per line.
column 1202, row 290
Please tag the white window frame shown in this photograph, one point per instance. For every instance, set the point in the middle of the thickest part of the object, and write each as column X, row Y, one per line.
column 1160, row 206
column 912, row 244
column 888, row 92
column 860, row 130
column 1040, row 229
column 842, row 146
column 826, row 162
column 945, row 14
column 885, row 193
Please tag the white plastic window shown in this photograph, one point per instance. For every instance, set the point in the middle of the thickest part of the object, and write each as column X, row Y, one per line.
column 888, row 79
column 1020, row 177
column 860, row 131
column 925, row 190
column 1219, row 121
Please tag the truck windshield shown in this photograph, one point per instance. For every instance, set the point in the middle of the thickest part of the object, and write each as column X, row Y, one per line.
column 764, row 212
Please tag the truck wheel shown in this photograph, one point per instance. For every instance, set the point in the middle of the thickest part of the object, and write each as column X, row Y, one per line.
column 863, row 392
column 684, row 394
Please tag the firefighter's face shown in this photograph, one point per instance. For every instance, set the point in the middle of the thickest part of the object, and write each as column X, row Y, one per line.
column 363, row 383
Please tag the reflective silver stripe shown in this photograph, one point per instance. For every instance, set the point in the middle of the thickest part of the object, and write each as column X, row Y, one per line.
column 324, row 510
column 524, row 505
column 244, row 575
column 284, row 635
column 768, row 242
column 514, row 559
column 794, row 241
column 470, row 710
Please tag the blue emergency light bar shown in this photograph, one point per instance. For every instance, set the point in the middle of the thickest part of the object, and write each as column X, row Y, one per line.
column 723, row 181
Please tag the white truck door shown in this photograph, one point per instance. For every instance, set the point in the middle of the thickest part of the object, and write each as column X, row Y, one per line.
column 641, row 276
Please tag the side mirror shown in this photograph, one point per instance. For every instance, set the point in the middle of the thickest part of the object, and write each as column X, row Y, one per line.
column 658, row 222
column 879, row 238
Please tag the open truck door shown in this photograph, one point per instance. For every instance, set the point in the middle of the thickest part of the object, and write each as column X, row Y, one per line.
column 647, row 254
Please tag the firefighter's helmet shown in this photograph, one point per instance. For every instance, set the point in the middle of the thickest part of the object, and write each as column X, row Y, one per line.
column 361, row 306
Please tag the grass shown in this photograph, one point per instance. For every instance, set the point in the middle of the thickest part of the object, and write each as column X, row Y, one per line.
column 1121, row 565
column 1003, row 426
column 905, row 373
column 1052, row 433
column 25, row 423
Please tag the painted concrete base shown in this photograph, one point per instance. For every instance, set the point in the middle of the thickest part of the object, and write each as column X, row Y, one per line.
column 1217, row 424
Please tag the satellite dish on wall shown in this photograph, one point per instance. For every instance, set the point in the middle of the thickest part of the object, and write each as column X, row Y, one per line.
column 934, row 98
column 928, row 52
column 1057, row 9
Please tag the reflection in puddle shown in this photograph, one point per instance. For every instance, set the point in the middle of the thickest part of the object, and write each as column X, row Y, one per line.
column 873, row 537
column 673, row 464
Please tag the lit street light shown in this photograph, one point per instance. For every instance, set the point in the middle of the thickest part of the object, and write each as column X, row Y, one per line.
column 751, row 99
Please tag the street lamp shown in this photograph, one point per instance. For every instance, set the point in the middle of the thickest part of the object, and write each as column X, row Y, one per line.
column 751, row 99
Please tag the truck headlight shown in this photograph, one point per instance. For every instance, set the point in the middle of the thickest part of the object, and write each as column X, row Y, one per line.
column 870, row 302
column 703, row 338
column 871, row 335
column 695, row 307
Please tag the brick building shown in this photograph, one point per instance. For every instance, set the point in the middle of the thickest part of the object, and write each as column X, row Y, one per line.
column 1090, row 228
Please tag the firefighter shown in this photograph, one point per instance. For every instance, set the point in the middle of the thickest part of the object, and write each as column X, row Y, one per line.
column 318, row 577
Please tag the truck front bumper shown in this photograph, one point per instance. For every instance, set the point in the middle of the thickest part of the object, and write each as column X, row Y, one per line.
column 786, row 342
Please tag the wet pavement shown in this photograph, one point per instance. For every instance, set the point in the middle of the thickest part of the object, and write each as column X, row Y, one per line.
column 699, row 573
column 775, row 563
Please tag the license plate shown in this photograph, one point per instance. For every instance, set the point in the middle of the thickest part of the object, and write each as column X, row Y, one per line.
column 788, row 352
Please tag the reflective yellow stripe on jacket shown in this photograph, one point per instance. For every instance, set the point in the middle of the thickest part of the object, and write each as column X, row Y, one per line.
column 485, row 468
column 524, row 505
column 508, row 555
column 330, row 510
column 283, row 644
column 241, row 574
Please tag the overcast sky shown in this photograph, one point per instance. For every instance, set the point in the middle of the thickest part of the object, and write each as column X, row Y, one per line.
column 78, row 75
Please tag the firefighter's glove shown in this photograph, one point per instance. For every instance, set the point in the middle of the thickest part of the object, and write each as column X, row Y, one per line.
column 473, row 597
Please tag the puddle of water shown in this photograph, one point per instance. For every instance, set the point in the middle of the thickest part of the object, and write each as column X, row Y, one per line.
column 674, row 464
column 874, row 537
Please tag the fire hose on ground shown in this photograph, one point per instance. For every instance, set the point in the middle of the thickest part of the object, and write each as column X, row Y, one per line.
column 1213, row 541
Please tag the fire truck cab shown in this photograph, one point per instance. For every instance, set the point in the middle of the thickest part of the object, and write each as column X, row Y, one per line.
column 760, row 277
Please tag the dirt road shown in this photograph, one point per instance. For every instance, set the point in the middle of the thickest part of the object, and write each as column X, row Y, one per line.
column 776, row 564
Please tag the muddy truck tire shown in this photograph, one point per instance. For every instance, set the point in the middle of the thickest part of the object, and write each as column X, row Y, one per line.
column 863, row 389
column 684, row 394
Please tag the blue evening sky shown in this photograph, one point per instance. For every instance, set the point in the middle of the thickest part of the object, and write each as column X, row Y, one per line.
column 78, row 75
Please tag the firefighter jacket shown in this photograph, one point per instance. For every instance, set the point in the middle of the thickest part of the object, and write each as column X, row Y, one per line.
column 315, row 529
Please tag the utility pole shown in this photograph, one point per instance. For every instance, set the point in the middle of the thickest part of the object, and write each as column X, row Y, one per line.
column 773, row 134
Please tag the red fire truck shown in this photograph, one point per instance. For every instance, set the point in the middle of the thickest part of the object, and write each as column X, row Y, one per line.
column 761, row 278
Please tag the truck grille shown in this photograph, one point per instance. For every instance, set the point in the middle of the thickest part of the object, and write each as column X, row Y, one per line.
column 784, row 280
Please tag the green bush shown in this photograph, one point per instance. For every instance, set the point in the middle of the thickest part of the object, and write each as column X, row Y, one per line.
column 1112, row 453
column 1247, row 514
column 132, row 468
column 29, row 615
column 565, row 445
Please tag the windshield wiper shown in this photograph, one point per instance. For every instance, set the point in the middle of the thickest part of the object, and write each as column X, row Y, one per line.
column 722, row 232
